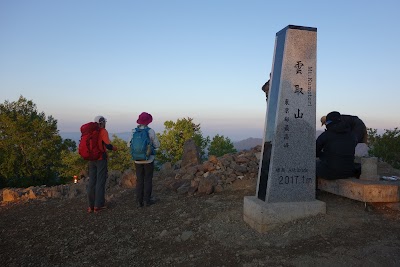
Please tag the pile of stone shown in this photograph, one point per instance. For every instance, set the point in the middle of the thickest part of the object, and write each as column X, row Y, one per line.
column 189, row 176
column 43, row 192
column 115, row 179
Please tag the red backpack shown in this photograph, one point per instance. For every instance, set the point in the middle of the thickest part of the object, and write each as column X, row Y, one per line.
column 89, row 143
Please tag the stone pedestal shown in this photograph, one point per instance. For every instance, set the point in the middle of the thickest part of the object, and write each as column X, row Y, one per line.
column 263, row 216
column 369, row 169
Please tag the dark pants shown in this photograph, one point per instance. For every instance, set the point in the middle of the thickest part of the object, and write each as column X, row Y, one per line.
column 322, row 171
column 98, row 173
column 144, row 182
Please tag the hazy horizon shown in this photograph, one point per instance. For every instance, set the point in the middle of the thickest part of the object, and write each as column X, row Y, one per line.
column 206, row 60
column 126, row 135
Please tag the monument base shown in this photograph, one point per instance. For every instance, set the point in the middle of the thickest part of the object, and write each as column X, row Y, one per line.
column 263, row 216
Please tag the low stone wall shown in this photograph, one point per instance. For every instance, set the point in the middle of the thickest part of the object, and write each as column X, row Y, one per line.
column 231, row 171
column 115, row 179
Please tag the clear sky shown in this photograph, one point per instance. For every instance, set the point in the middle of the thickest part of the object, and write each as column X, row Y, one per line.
column 203, row 59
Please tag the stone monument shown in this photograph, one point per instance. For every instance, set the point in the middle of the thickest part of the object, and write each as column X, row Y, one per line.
column 286, row 181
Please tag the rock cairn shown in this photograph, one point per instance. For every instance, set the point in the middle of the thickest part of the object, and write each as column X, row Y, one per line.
column 189, row 176
column 214, row 175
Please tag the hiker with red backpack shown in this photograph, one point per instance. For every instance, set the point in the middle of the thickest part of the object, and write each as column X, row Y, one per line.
column 93, row 147
column 143, row 143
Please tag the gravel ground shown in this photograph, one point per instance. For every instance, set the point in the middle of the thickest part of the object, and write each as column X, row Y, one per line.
column 182, row 230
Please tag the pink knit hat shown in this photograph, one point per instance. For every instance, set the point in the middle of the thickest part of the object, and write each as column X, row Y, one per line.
column 145, row 118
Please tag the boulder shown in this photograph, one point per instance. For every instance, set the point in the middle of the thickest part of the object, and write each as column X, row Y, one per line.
column 9, row 195
column 191, row 154
column 128, row 179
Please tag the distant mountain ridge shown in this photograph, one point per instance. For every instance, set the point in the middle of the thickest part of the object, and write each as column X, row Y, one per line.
column 76, row 136
column 248, row 143
column 245, row 144
column 251, row 142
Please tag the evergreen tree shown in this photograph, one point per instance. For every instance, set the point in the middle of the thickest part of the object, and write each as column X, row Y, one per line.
column 220, row 146
column 385, row 146
column 69, row 144
column 121, row 159
column 174, row 137
column 30, row 145
column 72, row 164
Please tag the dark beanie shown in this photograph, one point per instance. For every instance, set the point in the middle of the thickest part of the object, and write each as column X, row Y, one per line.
column 333, row 116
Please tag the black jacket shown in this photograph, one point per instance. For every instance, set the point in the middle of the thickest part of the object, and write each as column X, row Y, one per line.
column 357, row 126
column 336, row 149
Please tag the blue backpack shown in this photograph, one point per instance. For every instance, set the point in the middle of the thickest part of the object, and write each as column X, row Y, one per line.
column 141, row 147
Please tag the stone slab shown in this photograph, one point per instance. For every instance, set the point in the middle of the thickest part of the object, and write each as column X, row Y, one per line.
column 362, row 190
column 263, row 216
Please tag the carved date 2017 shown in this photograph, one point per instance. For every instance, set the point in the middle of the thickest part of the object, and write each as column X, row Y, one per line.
column 294, row 179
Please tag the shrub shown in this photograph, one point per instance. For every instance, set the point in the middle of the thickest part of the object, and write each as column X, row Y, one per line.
column 385, row 146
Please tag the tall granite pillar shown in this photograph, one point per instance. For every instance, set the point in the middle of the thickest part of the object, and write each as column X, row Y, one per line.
column 286, row 182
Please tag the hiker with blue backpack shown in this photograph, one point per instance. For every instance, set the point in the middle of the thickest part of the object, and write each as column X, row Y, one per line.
column 143, row 144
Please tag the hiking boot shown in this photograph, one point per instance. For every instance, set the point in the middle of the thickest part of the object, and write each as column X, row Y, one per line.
column 98, row 209
column 140, row 204
column 149, row 203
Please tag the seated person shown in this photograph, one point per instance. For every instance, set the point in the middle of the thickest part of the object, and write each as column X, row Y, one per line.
column 336, row 149
column 357, row 126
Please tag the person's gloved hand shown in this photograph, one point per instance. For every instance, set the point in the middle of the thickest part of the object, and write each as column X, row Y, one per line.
column 115, row 148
